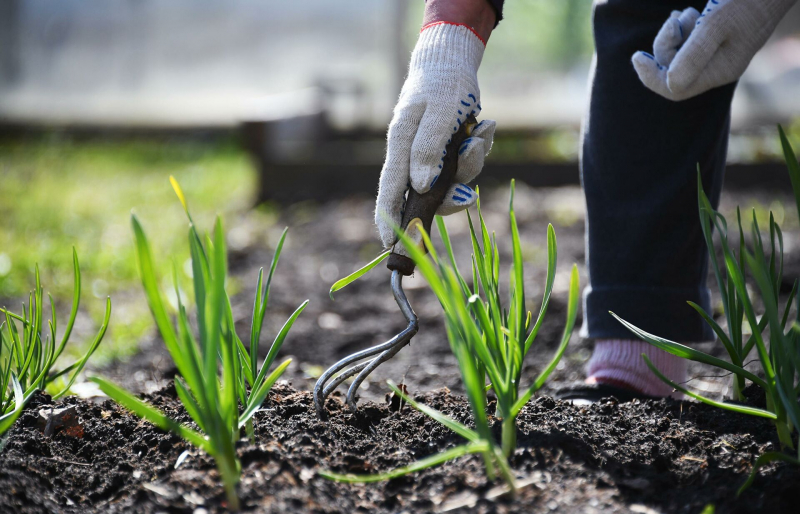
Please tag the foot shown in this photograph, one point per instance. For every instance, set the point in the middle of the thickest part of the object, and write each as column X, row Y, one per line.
column 594, row 392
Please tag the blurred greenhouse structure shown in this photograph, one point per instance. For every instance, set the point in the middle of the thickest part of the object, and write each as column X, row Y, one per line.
column 213, row 63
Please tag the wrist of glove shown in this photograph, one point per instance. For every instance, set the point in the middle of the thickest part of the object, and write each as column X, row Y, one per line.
column 440, row 92
column 694, row 52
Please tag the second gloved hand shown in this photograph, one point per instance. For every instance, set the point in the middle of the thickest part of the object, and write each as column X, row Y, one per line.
column 440, row 92
column 695, row 52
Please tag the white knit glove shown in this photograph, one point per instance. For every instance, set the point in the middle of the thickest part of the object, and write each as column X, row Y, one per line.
column 440, row 92
column 696, row 52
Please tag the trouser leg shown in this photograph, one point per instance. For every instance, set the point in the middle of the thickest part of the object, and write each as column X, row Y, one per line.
column 645, row 250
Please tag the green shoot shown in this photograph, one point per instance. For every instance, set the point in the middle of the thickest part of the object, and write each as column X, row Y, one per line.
column 741, row 409
column 216, row 372
column 349, row 279
column 776, row 342
column 8, row 419
column 428, row 462
column 29, row 352
column 489, row 339
column 762, row 461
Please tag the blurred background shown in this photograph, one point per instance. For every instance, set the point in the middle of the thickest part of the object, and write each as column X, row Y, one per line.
column 268, row 111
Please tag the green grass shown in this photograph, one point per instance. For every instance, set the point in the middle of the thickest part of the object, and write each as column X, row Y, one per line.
column 58, row 193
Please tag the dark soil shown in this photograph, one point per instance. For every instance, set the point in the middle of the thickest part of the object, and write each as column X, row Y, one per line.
column 656, row 456
column 665, row 455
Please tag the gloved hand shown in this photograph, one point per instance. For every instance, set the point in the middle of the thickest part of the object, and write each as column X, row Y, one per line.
column 695, row 52
column 440, row 92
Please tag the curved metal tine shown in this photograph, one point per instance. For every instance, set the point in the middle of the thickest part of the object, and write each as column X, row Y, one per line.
column 403, row 338
column 319, row 389
column 371, row 365
column 387, row 351
column 344, row 375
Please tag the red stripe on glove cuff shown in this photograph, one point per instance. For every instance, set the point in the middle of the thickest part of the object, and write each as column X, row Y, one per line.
column 433, row 24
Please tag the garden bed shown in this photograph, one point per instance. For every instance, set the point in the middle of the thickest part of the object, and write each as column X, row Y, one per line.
column 666, row 455
column 663, row 455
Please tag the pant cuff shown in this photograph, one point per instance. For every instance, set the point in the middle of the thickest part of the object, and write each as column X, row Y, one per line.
column 663, row 312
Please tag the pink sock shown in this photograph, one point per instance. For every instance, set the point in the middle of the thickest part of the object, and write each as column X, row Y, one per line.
column 620, row 362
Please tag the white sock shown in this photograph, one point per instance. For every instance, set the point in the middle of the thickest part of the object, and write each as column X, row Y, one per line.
column 620, row 362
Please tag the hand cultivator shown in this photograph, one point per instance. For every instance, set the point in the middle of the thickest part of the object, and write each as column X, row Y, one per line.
column 419, row 212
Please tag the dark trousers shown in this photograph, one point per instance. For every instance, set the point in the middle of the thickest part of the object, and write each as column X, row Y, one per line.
column 645, row 249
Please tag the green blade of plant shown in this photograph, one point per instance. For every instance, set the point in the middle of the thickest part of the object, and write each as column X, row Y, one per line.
column 227, row 347
column 151, row 414
column 76, row 300
column 190, row 353
column 789, row 398
column 190, row 404
column 52, row 324
column 273, row 265
column 19, row 403
column 156, row 304
column 244, row 360
column 736, row 274
column 741, row 409
column 278, row 342
column 552, row 258
column 445, row 236
column 349, row 279
column 572, row 314
column 792, row 164
column 179, row 193
column 459, row 428
column 788, row 308
column 763, row 460
column 687, row 352
column 707, row 216
column 258, row 322
column 240, row 353
column 518, row 305
column 36, row 384
column 211, row 344
column 258, row 396
column 12, row 315
column 428, row 462
column 717, row 330
column 479, row 311
column 254, row 323
column 201, row 276
column 82, row 362
column 751, row 341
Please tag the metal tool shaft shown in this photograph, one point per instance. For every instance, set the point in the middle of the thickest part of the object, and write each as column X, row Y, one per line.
column 340, row 372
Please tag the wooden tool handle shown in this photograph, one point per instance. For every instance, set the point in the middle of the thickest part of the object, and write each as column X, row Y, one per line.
column 421, row 208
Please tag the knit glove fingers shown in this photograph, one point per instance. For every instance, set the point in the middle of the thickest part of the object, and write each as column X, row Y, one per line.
column 673, row 34
column 395, row 173
column 471, row 155
column 458, row 197
column 694, row 53
column 441, row 120
column 689, row 73
column 473, row 151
